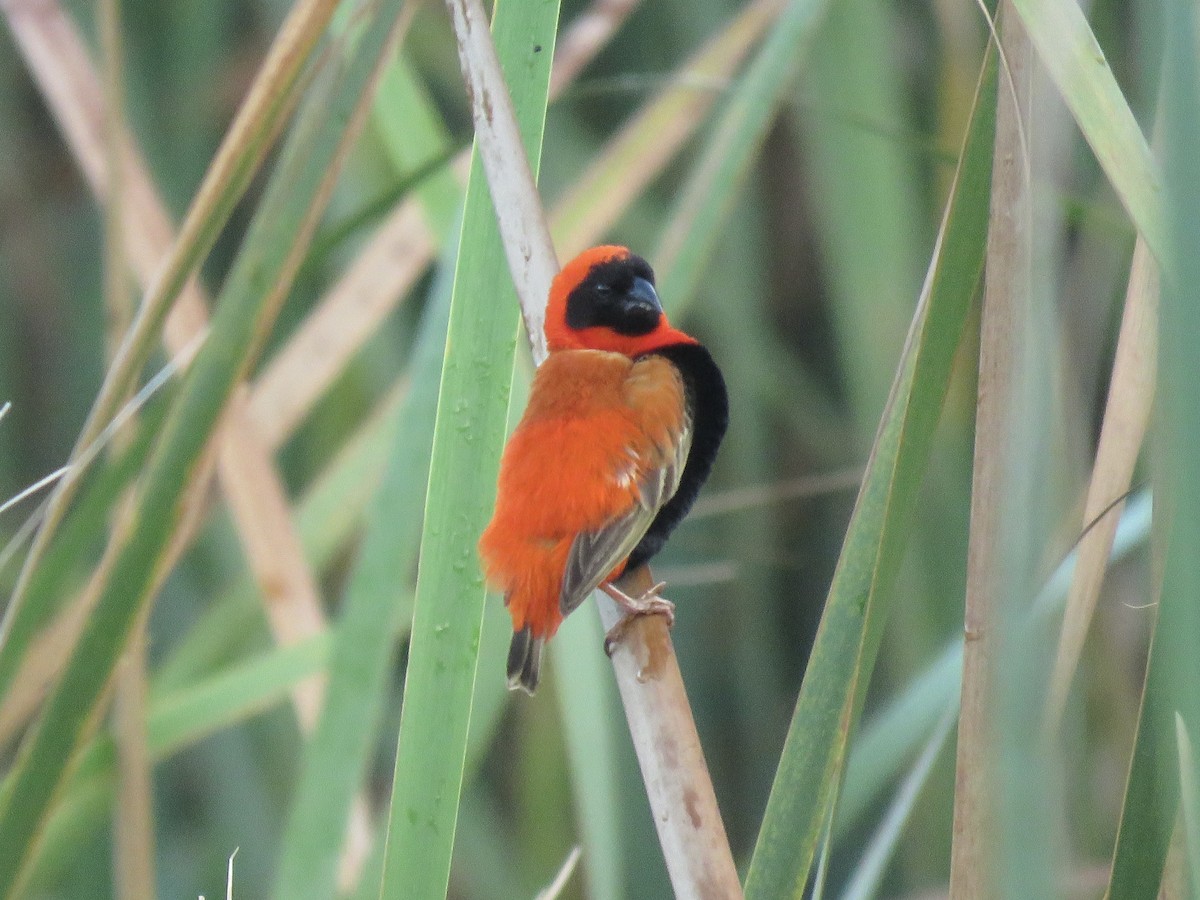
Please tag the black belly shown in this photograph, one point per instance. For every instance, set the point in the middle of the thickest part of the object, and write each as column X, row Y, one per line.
column 708, row 405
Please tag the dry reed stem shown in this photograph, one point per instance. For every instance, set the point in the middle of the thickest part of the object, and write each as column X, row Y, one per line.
column 527, row 244
column 686, row 815
column 677, row 781
column 1006, row 297
column 1126, row 417
column 264, row 523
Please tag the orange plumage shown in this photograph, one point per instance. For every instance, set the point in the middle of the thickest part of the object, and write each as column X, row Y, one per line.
column 601, row 449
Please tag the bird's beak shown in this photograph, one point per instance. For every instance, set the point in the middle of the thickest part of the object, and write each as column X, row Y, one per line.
column 643, row 297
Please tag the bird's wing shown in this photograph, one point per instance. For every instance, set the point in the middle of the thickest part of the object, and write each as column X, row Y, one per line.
column 595, row 553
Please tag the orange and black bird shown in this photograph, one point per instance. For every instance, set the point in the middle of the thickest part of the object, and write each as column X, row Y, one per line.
column 623, row 424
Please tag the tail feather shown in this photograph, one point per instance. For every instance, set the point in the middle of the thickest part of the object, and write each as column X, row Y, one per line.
column 524, row 660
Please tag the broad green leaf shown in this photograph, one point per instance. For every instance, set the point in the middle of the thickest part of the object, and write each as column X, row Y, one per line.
column 471, row 419
column 181, row 718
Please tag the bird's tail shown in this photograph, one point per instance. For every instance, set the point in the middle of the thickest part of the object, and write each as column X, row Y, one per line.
column 524, row 660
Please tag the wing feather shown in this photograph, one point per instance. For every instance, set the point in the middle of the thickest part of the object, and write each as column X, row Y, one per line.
column 594, row 554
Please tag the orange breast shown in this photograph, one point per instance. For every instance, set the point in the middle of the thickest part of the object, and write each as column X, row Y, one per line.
column 594, row 421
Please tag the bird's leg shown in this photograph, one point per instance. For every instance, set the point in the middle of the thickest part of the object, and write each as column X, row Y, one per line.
column 648, row 604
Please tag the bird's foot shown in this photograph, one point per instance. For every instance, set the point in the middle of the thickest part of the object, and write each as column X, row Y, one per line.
column 648, row 604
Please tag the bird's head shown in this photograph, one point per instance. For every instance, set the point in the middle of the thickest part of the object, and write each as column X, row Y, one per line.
column 604, row 299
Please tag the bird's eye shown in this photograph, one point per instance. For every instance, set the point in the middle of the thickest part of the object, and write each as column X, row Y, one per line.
column 604, row 289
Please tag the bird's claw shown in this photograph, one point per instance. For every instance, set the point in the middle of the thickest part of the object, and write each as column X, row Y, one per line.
column 648, row 604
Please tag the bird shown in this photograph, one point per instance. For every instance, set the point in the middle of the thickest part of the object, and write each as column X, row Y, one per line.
column 624, row 420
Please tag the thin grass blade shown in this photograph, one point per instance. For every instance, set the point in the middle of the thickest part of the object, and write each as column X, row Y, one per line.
column 1188, row 794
